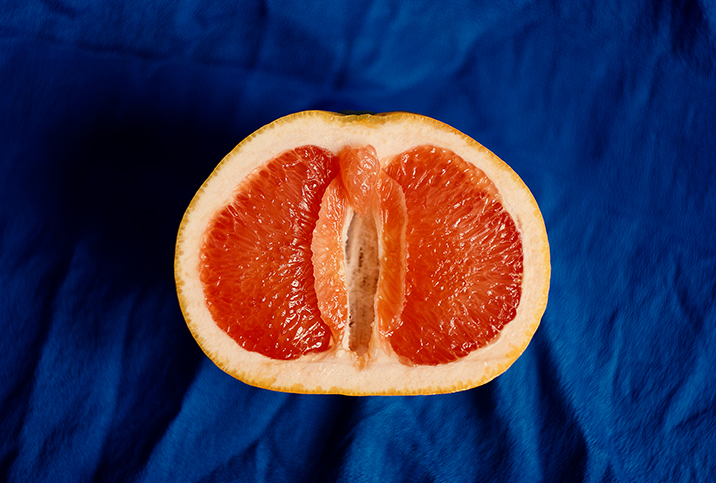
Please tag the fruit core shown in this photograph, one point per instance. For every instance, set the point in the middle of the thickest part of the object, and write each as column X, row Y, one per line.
column 316, row 248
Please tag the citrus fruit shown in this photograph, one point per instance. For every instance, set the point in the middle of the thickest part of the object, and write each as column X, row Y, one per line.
column 362, row 254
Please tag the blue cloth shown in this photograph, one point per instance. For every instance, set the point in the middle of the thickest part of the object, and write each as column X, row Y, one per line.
column 112, row 113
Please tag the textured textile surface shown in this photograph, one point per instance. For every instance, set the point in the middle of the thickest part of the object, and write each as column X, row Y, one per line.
column 112, row 114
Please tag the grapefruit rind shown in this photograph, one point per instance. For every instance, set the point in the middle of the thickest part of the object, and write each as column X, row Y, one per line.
column 336, row 371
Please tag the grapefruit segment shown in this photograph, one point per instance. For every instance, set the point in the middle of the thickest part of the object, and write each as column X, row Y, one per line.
column 464, row 258
column 392, row 213
column 255, row 259
column 328, row 248
column 359, row 171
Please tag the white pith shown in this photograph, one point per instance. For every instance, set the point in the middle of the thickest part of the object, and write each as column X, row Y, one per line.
column 339, row 370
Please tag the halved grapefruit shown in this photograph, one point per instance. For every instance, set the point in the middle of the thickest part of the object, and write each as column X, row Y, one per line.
column 363, row 255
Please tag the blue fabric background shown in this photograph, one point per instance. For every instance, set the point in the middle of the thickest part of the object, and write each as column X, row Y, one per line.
column 113, row 113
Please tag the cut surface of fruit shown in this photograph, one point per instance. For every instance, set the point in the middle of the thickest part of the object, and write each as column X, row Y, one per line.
column 359, row 171
column 327, row 248
column 256, row 259
column 362, row 254
column 464, row 258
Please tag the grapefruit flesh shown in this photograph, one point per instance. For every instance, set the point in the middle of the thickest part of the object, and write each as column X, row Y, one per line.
column 451, row 266
column 256, row 259
column 464, row 258
column 329, row 260
column 359, row 168
column 386, row 254
column 390, row 293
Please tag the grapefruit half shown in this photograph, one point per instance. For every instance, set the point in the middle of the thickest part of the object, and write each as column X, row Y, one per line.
column 362, row 255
